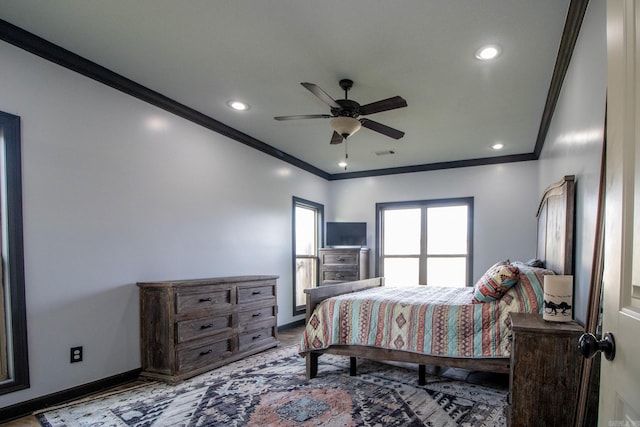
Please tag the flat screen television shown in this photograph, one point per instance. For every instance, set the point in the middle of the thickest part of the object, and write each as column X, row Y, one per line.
column 346, row 234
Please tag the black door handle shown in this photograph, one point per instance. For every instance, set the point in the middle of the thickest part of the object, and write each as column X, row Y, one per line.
column 589, row 345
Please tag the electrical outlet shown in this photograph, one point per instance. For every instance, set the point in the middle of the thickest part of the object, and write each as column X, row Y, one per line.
column 76, row 354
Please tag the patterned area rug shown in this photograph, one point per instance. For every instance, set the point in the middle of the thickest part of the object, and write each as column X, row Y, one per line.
column 270, row 389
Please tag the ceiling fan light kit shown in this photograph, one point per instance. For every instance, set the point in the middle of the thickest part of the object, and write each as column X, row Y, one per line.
column 345, row 126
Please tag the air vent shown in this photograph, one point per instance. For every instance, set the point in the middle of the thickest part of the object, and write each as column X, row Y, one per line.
column 384, row 152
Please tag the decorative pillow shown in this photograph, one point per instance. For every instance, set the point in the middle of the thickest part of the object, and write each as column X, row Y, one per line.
column 529, row 290
column 495, row 282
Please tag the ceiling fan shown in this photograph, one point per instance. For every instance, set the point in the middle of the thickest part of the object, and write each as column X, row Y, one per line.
column 345, row 113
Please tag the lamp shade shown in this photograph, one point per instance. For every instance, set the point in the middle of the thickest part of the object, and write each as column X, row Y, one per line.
column 558, row 298
column 345, row 126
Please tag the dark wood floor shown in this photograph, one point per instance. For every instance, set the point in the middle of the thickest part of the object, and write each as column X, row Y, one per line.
column 290, row 336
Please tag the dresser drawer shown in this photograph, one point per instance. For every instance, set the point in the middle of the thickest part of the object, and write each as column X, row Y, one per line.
column 256, row 337
column 193, row 358
column 257, row 315
column 341, row 275
column 206, row 298
column 247, row 294
column 338, row 258
column 203, row 327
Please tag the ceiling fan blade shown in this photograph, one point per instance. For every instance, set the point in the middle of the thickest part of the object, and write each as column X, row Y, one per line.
column 304, row 116
column 383, row 129
column 315, row 89
column 336, row 138
column 383, row 105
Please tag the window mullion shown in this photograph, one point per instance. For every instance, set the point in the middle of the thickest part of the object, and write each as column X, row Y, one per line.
column 422, row 275
column 462, row 255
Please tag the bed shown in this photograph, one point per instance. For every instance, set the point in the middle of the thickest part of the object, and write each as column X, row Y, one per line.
column 449, row 327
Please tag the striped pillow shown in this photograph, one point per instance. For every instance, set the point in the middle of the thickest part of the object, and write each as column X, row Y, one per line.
column 530, row 287
column 496, row 282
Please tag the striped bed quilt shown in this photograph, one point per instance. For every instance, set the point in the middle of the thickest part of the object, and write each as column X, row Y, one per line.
column 438, row 321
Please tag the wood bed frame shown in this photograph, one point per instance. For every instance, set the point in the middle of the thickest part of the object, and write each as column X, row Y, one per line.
column 555, row 215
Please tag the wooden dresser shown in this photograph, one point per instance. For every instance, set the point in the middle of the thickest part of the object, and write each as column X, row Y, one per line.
column 545, row 371
column 191, row 326
column 339, row 265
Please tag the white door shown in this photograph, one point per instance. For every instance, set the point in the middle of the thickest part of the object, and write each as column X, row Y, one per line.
column 620, row 378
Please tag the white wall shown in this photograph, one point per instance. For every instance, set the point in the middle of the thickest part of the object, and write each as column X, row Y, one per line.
column 110, row 200
column 574, row 142
column 505, row 202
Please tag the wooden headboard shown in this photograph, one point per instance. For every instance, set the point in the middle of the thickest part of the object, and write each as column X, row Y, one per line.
column 556, row 224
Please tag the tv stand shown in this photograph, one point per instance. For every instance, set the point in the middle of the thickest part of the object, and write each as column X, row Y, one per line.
column 339, row 265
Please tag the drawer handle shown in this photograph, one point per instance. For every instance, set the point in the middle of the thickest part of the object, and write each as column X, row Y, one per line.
column 210, row 325
column 257, row 314
column 256, row 293
column 204, row 353
column 255, row 337
column 341, row 260
column 205, row 299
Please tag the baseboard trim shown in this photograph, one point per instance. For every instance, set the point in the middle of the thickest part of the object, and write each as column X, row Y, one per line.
column 292, row 325
column 30, row 406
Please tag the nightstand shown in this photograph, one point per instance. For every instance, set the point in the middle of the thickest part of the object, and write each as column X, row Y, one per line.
column 545, row 371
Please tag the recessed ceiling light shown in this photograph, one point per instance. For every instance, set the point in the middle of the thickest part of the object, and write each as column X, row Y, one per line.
column 488, row 52
column 238, row 105
column 498, row 146
column 342, row 164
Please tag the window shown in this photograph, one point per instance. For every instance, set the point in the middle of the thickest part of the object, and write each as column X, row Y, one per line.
column 425, row 242
column 307, row 238
column 14, row 368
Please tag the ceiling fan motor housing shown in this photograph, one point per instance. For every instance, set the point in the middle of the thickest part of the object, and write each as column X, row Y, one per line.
column 348, row 108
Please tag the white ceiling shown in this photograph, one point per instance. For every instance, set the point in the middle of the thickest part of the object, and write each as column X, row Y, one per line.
column 204, row 53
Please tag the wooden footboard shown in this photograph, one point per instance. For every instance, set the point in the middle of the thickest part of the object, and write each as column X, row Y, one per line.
column 316, row 295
